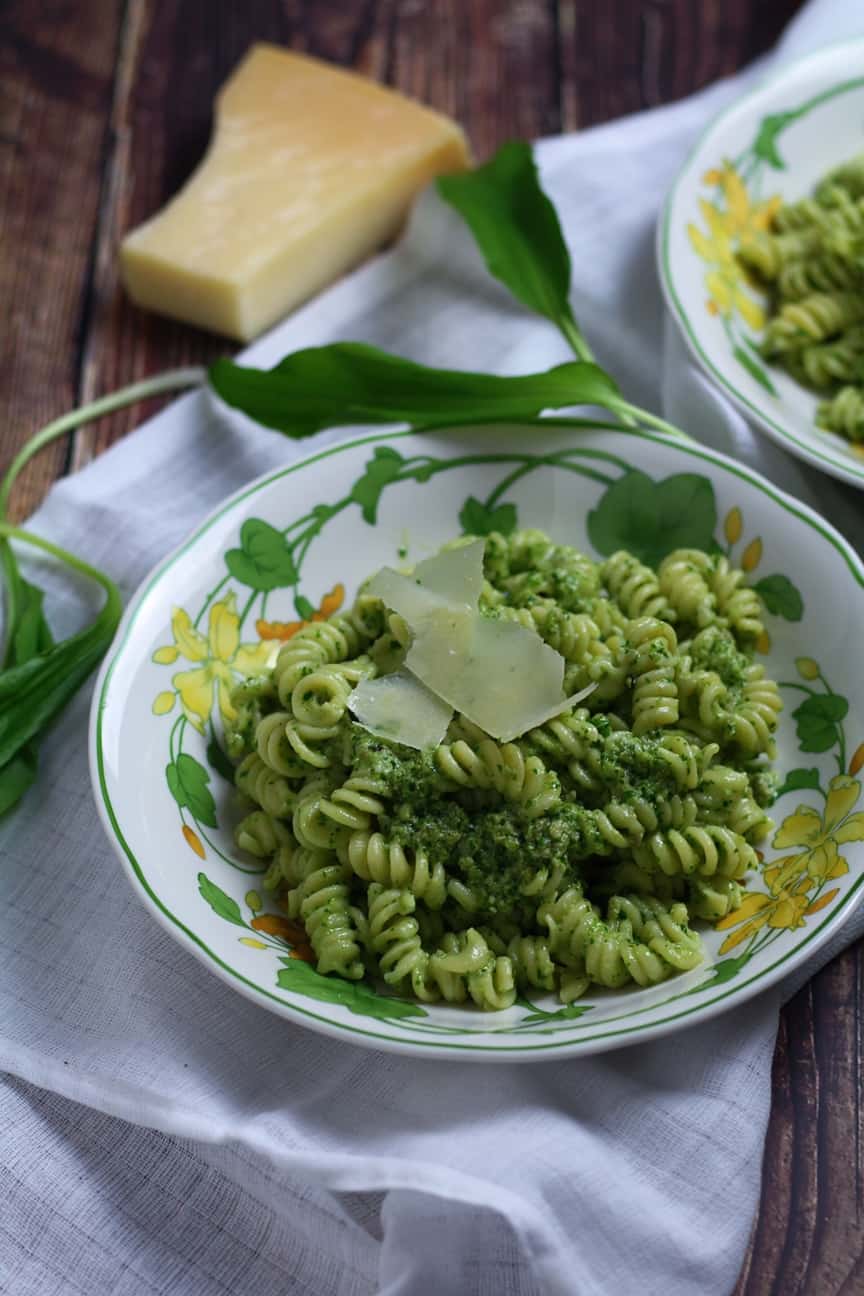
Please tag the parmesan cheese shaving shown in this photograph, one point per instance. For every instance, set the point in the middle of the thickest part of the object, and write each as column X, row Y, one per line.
column 402, row 709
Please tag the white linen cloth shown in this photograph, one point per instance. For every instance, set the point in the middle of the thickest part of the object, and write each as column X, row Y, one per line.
column 159, row 1134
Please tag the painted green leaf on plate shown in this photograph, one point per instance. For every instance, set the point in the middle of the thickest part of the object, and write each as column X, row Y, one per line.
column 817, row 718
column 221, row 904
column 781, row 597
column 298, row 976
column 188, row 783
column 479, row 520
column 650, row 518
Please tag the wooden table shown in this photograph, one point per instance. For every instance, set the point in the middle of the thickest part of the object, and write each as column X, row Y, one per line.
column 106, row 109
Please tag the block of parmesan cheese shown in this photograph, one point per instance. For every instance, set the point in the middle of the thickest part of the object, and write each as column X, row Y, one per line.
column 309, row 169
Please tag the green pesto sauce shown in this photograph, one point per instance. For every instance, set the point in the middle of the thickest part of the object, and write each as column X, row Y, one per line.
column 497, row 850
column 715, row 649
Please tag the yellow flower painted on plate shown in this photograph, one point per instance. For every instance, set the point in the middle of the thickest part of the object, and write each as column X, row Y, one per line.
column 194, row 841
column 251, row 942
column 752, row 555
column 785, row 910
column 763, row 642
column 733, row 526
column 818, row 837
column 216, row 658
column 807, row 668
column 729, row 219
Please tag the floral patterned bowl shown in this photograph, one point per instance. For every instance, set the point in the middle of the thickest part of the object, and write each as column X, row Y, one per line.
column 774, row 144
column 293, row 545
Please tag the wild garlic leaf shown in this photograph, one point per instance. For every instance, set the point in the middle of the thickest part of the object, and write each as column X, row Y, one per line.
column 349, row 382
column 517, row 230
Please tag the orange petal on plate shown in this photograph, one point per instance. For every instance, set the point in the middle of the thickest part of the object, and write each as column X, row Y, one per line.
column 822, row 901
column 857, row 761
column 305, row 953
column 277, row 629
column 276, row 925
column 194, row 841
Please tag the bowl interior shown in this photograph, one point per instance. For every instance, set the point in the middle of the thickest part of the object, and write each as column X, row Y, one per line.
column 297, row 543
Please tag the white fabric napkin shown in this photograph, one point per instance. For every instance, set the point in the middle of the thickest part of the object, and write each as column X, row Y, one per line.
column 159, row 1133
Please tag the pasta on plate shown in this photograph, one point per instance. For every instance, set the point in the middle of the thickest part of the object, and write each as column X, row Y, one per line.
column 579, row 852
column 812, row 260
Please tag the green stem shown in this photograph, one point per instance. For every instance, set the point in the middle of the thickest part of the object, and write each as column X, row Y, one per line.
column 174, row 380
column 171, row 381
column 801, row 687
column 209, row 599
column 640, row 416
column 574, row 336
column 112, row 607
column 243, row 615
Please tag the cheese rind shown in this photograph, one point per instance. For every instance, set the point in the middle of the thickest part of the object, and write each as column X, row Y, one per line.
column 310, row 168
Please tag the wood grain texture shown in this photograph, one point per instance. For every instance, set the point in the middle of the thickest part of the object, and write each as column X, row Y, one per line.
column 138, row 78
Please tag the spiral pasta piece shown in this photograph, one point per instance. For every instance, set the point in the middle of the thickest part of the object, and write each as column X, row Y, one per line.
column 844, row 414
column 271, row 791
column 737, row 603
column 321, row 900
column 684, row 578
column 393, row 936
column 374, row 859
column 261, row 833
column 505, row 769
column 532, row 962
column 655, row 689
column 703, row 849
column 313, row 646
column 354, row 805
column 635, row 587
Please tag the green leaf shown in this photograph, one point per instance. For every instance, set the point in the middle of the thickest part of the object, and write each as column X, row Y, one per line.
column 770, row 130
column 754, row 369
column 32, row 693
column 781, row 597
column 303, row 607
column 218, row 759
column 817, row 719
column 721, row 973
column 650, row 518
column 265, row 561
column 221, row 904
column 568, row 1013
column 797, row 779
column 29, row 636
column 349, row 382
column 188, row 784
column 298, row 976
column 383, row 468
column 516, row 228
column 476, row 519
column 17, row 775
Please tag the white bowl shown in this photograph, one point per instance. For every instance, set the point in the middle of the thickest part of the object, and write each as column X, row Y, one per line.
column 360, row 505
column 779, row 139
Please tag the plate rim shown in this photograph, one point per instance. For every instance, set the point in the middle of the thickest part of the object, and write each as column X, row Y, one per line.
column 349, row 1032
column 826, row 461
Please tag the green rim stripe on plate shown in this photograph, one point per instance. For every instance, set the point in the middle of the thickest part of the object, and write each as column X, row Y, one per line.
column 582, row 1035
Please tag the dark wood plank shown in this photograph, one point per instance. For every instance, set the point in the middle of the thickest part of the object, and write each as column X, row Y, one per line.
column 56, row 67
column 809, row 1236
